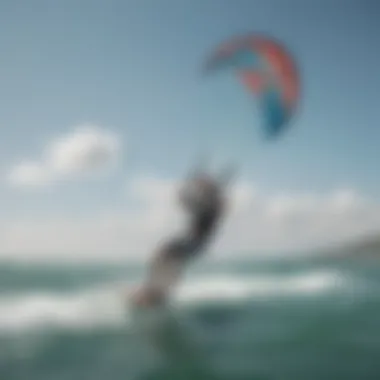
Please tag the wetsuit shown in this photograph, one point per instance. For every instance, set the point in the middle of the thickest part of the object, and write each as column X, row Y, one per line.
column 204, row 217
column 172, row 257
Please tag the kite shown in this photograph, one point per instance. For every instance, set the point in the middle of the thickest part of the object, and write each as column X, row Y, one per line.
column 268, row 70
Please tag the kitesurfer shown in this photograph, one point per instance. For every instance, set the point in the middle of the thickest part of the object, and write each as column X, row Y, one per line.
column 203, row 198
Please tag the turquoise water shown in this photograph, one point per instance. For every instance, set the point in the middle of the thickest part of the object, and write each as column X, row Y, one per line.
column 293, row 319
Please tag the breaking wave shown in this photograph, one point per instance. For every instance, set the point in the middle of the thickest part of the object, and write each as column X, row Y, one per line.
column 106, row 306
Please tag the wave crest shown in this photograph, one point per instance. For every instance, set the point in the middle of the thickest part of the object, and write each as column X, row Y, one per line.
column 106, row 307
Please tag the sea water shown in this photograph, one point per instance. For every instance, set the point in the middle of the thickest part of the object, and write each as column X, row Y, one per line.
column 293, row 319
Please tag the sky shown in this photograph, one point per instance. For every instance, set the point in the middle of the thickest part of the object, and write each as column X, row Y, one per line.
column 104, row 109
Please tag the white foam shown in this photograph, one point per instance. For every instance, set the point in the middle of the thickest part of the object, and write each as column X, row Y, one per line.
column 230, row 288
column 106, row 307
column 82, row 310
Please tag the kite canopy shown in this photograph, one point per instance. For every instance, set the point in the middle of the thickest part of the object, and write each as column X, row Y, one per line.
column 267, row 70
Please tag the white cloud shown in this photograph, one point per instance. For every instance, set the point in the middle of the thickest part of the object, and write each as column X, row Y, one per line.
column 255, row 222
column 28, row 174
column 87, row 150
